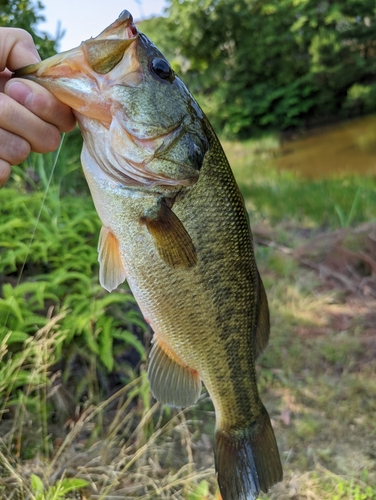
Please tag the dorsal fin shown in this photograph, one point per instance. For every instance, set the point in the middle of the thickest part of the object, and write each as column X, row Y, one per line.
column 172, row 240
column 261, row 337
column 171, row 382
column 111, row 267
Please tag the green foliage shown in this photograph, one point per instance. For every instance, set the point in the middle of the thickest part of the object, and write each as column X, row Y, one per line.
column 56, row 492
column 58, row 246
column 258, row 65
column 201, row 492
column 325, row 202
column 360, row 99
column 26, row 14
column 349, row 490
column 346, row 220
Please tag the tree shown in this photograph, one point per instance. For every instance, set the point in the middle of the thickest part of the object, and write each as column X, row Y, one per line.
column 276, row 64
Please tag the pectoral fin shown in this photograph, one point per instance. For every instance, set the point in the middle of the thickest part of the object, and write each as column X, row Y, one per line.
column 171, row 382
column 111, row 267
column 172, row 240
column 263, row 325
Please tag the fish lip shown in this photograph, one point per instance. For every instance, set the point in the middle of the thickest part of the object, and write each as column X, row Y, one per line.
column 123, row 25
column 36, row 70
column 124, row 17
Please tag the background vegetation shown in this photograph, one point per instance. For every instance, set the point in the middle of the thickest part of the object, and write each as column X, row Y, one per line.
column 259, row 65
column 76, row 416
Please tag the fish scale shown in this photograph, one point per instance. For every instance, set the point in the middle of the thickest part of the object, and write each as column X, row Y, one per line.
column 175, row 226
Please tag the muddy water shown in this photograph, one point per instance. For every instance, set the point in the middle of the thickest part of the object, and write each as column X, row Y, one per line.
column 342, row 149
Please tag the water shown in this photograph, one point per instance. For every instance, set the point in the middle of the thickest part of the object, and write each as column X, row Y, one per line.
column 345, row 148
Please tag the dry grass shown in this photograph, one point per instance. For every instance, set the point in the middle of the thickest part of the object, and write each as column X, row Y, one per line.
column 121, row 447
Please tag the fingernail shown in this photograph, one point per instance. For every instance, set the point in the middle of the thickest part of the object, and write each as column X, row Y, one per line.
column 18, row 91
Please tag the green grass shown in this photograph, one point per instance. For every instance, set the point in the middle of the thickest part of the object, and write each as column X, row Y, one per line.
column 75, row 404
column 279, row 196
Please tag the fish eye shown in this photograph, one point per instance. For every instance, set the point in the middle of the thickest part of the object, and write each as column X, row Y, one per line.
column 161, row 69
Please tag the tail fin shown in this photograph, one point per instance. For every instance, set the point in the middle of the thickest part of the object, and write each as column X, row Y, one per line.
column 247, row 460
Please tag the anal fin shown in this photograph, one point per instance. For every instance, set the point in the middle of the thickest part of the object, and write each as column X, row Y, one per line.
column 171, row 382
column 111, row 267
column 173, row 242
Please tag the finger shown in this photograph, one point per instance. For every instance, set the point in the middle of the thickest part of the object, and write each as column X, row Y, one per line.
column 17, row 49
column 4, row 171
column 15, row 118
column 4, row 77
column 42, row 103
column 14, row 148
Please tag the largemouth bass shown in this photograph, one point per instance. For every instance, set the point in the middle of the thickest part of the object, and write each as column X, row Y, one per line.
column 175, row 226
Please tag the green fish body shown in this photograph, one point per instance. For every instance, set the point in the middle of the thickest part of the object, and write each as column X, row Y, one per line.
column 175, row 226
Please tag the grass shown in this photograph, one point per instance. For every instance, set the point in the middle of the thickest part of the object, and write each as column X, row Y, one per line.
column 76, row 416
column 279, row 195
column 143, row 453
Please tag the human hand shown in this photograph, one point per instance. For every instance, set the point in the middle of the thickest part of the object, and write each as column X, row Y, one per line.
column 31, row 118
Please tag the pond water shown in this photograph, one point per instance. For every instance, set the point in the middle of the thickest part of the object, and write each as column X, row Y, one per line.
column 345, row 148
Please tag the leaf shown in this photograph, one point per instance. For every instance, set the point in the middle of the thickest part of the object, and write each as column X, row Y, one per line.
column 105, row 344
column 36, row 484
column 13, row 337
column 130, row 339
column 201, row 491
column 66, row 485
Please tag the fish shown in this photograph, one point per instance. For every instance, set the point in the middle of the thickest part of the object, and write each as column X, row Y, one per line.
column 174, row 225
